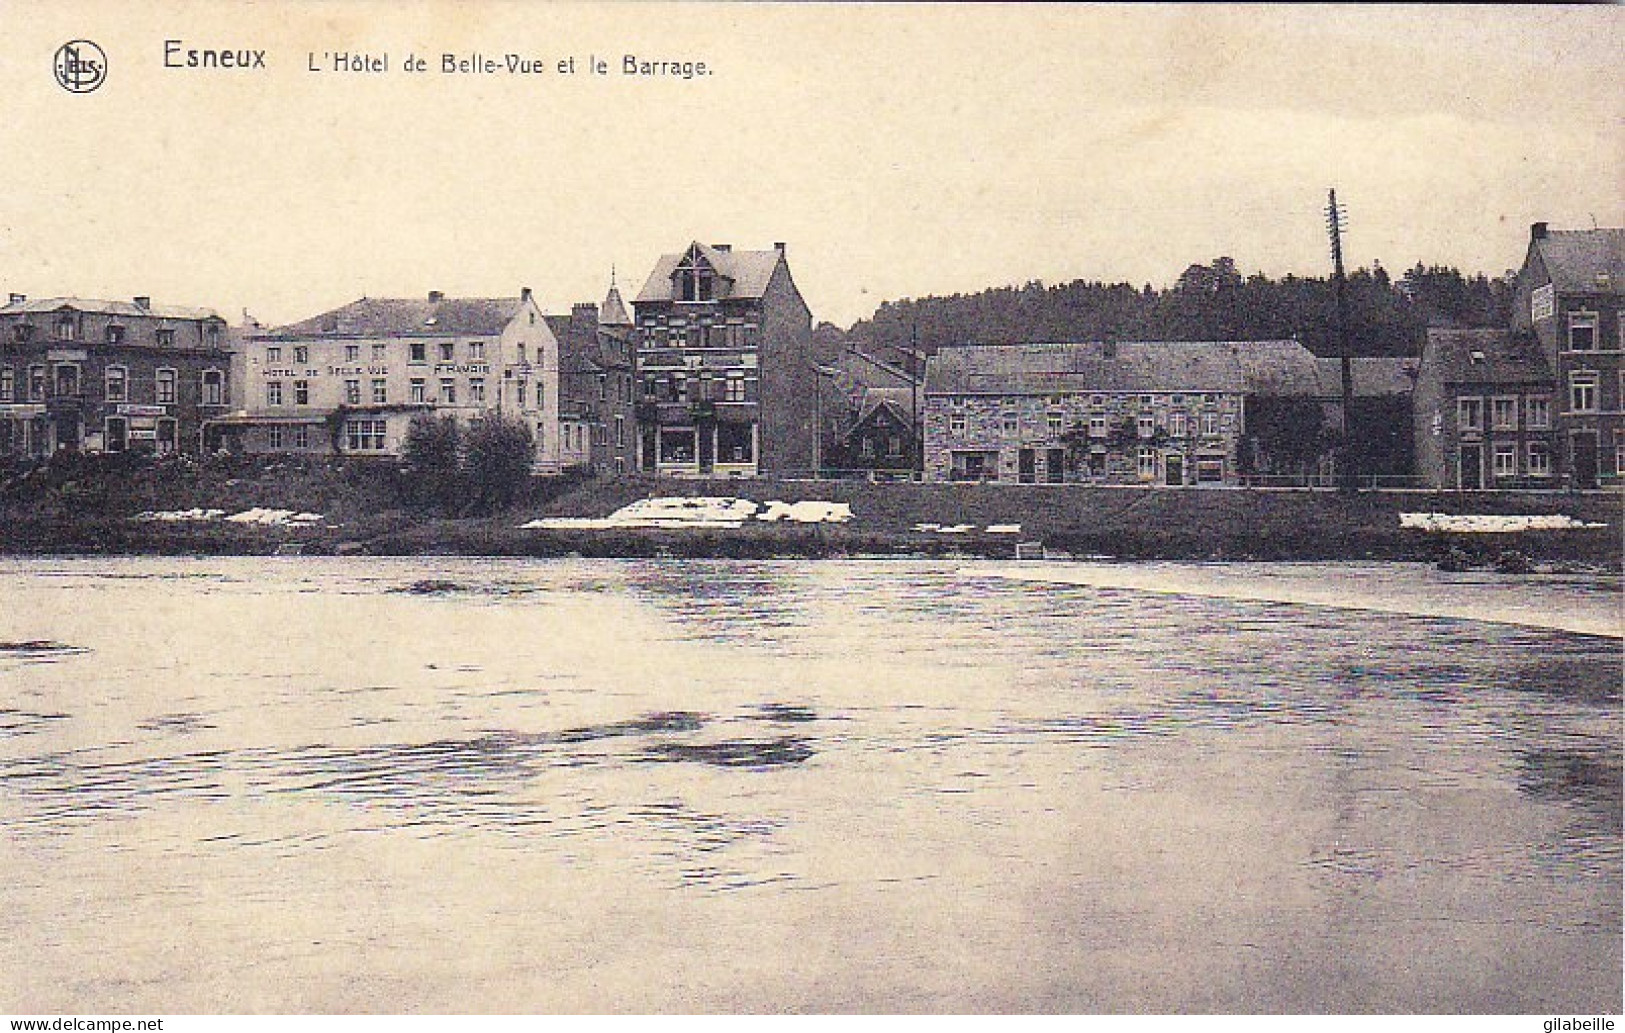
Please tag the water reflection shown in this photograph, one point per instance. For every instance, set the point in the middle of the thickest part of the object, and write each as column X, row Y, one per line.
column 973, row 771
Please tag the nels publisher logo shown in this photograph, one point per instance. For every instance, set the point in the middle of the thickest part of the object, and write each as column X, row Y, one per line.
column 80, row 66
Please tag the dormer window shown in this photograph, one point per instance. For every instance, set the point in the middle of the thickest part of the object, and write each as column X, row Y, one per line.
column 695, row 279
column 65, row 328
column 166, row 338
column 22, row 332
column 1582, row 331
column 115, row 334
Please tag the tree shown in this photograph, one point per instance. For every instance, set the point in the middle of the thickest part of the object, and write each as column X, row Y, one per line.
column 430, row 458
column 496, row 462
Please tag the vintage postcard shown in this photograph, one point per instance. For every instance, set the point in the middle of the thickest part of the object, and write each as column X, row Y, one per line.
column 742, row 508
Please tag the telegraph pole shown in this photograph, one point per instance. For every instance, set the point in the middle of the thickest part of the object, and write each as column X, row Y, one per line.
column 1348, row 478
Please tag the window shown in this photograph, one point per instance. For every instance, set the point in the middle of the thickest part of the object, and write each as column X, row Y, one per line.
column 380, row 352
column 213, row 387
column 448, row 391
column 273, row 355
column 1506, row 459
column 1146, row 464
column 67, row 380
column 956, row 423
column 22, row 332
column 868, row 448
column 364, row 435
column 1582, row 331
column 211, row 336
column 166, row 386
column 380, row 391
column 695, row 280
column 416, row 392
column 521, row 389
column 8, row 384
column 1146, row 399
column 1469, row 414
column 603, row 387
column 735, row 386
column 66, row 328
column 352, row 392
column 352, row 353
column 1210, row 424
column 1097, row 426
column 1583, row 391
column 1537, row 413
column 301, row 437
column 476, row 390
column 620, row 431
column 36, row 383
column 301, row 354
column 273, row 436
column 1176, row 424
column 419, row 354
column 476, row 351
column 1145, row 425
column 116, row 379
column 301, row 392
column 679, row 386
column 1619, row 453
column 448, row 351
column 1503, row 414
column 115, row 334
column 1010, row 423
column 894, row 445
column 1540, row 459
column 273, row 393
column 1052, row 424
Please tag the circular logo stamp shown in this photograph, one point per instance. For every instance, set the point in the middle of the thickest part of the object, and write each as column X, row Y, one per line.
column 80, row 66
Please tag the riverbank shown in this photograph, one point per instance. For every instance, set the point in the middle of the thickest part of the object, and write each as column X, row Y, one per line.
column 240, row 506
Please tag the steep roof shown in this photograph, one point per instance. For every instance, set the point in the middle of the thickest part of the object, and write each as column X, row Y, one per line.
column 578, row 348
column 749, row 271
column 108, row 308
column 1373, row 377
column 1136, row 366
column 1484, row 356
column 1575, row 259
column 400, row 317
column 613, row 312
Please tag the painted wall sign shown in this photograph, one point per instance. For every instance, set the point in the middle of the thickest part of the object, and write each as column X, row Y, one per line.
column 1542, row 303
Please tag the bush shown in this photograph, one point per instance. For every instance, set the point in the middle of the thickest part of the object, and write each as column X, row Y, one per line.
column 430, row 458
column 496, row 462
column 461, row 471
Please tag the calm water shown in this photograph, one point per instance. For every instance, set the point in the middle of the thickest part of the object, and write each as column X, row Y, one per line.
column 287, row 785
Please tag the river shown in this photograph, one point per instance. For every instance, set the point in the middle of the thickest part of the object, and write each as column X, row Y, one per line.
column 297, row 785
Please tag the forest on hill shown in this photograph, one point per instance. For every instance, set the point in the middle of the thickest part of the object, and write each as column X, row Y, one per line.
column 1212, row 302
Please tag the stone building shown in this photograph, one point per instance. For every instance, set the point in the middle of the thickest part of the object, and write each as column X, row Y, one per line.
column 351, row 380
column 728, row 382
column 1570, row 295
column 1484, row 411
column 1131, row 413
column 109, row 376
column 597, row 409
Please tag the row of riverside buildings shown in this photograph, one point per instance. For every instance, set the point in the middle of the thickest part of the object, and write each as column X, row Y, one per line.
column 716, row 372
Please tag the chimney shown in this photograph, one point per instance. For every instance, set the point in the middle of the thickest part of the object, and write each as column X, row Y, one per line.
column 1108, row 348
column 143, row 302
column 724, row 248
column 18, row 299
column 524, row 294
column 584, row 316
column 778, row 245
column 1537, row 231
column 436, row 297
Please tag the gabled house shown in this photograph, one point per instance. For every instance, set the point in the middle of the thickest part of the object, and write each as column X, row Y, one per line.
column 727, row 377
column 874, row 413
column 350, row 380
column 1484, row 413
column 109, row 376
column 1570, row 295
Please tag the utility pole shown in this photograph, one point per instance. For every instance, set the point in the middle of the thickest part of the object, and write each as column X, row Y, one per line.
column 915, row 372
column 1348, row 478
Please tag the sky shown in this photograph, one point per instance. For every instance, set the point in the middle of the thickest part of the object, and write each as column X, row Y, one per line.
column 898, row 150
